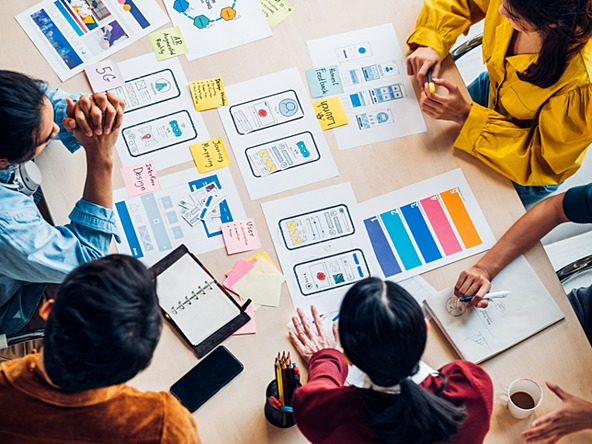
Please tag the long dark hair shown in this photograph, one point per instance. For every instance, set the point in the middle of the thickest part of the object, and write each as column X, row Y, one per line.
column 383, row 332
column 565, row 26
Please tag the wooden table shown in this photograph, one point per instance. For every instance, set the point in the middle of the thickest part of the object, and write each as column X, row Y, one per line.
column 560, row 354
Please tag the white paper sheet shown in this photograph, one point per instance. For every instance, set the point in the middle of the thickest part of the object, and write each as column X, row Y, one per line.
column 151, row 225
column 478, row 334
column 275, row 136
column 160, row 121
column 72, row 34
column 425, row 225
column 320, row 247
column 212, row 26
column 378, row 95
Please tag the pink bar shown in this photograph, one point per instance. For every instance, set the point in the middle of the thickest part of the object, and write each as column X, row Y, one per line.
column 440, row 225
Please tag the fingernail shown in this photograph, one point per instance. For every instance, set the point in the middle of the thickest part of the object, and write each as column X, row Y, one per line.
column 89, row 134
column 98, row 132
column 107, row 131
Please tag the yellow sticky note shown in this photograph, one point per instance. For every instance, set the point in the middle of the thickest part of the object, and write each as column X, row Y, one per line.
column 208, row 94
column 167, row 43
column 275, row 11
column 330, row 113
column 209, row 155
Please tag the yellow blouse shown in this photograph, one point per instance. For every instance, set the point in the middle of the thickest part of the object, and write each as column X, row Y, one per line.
column 531, row 135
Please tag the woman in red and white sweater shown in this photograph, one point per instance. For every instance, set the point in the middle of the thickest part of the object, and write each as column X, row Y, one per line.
column 383, row 332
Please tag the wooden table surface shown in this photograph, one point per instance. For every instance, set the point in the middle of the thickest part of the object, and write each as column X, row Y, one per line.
column 560, row 354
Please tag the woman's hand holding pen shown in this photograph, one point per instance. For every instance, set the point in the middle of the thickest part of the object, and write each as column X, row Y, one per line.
column 475, row 282
column 307, row 340
column 420, row 61
column 451, row 106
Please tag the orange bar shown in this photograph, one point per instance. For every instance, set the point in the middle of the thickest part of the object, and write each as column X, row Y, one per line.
column 461, row 219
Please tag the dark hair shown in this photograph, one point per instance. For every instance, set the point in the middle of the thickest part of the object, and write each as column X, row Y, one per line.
column 21, row 103
column 565, row 26
column 383, row 332
column 104, row 325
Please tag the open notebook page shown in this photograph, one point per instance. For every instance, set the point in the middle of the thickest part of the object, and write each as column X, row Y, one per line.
column 189, row 295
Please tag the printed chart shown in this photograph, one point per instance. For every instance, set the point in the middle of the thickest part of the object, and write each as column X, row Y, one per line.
column 320, row 248
column 212, row 26
column 425, row 226
column 160, row 121
column 274, row 133
column 153, row 224
column 378, row 96
column 72, row 34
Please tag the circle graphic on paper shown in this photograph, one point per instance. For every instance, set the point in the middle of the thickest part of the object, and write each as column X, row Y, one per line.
column 321, row 276
column 288, row 107
column 162, row 85
column 362, row 50
column 262, row 113
column 455, row 307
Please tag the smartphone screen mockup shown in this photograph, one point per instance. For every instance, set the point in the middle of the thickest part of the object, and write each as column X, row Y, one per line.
column 205, row 379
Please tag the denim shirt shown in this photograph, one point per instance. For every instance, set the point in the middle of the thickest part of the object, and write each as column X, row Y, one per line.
column 33, row 252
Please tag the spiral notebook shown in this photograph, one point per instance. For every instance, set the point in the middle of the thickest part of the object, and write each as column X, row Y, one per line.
column 193, row 301
column 479, row 334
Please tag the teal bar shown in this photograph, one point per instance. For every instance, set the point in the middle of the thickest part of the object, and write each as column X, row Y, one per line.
column 401, row 240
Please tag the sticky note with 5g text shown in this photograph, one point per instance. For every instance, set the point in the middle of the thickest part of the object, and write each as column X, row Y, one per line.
column 209, row 155
column 330, row 113
column 208, row 94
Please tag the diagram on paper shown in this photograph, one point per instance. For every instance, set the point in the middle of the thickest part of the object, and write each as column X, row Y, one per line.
column 425, row 226
column 160, row 121
column 217, row 25
column 274, row 133
column 378, row 96
column 153, row 224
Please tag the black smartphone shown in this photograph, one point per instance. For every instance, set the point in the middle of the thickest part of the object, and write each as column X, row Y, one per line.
column 205, row 379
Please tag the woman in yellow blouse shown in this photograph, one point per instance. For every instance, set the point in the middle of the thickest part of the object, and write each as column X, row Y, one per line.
column 531, row 115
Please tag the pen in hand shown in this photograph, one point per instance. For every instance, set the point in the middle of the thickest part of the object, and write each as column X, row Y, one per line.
column 488, row 296
column 431, row 85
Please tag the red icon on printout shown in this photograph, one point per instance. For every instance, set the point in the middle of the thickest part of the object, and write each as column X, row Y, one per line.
column 321, row 276
column 262, row 113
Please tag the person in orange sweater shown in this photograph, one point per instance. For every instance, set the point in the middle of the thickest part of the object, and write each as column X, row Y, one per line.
column 102, row 330
column 383, row 333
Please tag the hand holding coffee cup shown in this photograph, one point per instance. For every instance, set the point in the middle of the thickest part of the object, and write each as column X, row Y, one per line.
column 524, row 395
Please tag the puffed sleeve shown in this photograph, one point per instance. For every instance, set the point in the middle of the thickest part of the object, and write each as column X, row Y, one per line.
column 440, row 22
column 544, row 154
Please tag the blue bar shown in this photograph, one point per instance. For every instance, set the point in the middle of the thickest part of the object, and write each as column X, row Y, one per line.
column 421, row 232
column 128, row 228
column 69, row 19
column 161, row 238
column 382, row 250
column 137, row 14
column 401, row 240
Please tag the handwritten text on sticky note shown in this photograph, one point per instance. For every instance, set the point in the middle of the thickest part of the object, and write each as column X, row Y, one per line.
column 167, row 43
column 275, row 11
column 208, row 94
column 209, row 155
column 140, row 179
column 104, row 75
column 330, row 113
column 324, row 82
column 240, row 236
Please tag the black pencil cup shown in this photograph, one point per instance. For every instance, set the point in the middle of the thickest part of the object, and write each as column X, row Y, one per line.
column 273, row 414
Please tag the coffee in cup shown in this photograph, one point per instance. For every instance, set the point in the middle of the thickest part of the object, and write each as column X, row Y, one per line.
column 524, row 395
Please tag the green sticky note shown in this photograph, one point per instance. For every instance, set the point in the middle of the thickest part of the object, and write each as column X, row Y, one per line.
column 167, row 43
column 324, row 81
column 275, row 11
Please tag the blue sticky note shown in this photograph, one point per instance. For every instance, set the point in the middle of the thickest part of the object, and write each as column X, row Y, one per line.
column 324, row 81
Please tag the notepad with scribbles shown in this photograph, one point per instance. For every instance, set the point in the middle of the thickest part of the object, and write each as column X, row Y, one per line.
column 194, row 302
column 479, row 334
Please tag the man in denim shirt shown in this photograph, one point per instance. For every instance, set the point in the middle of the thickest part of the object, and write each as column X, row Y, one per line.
column 34, row 253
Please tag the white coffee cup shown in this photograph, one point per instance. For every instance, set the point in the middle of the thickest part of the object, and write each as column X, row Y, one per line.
column 524, row 395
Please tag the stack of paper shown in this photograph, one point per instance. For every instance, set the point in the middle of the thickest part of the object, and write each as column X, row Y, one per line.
column 256, row 279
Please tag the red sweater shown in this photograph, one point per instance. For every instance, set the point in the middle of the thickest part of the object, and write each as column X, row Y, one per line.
column 328, row 412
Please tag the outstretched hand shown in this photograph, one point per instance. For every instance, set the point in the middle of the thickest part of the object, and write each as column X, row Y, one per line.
column 574, row 414
column 307, row 340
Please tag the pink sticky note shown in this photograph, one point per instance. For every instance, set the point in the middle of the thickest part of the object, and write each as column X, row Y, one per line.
column 240, row 235
column 250, row 327
column 140, row 179
column 240, row 269
column 104, row 75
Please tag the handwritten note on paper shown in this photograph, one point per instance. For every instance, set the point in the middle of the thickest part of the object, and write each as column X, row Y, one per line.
column 209, row 155
column 330, row 113
column 240, row 236
column 324, row 82
column 208, row 94
column 140, row 179
column 167, row 43
column 104, row 75
column 275, row 11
